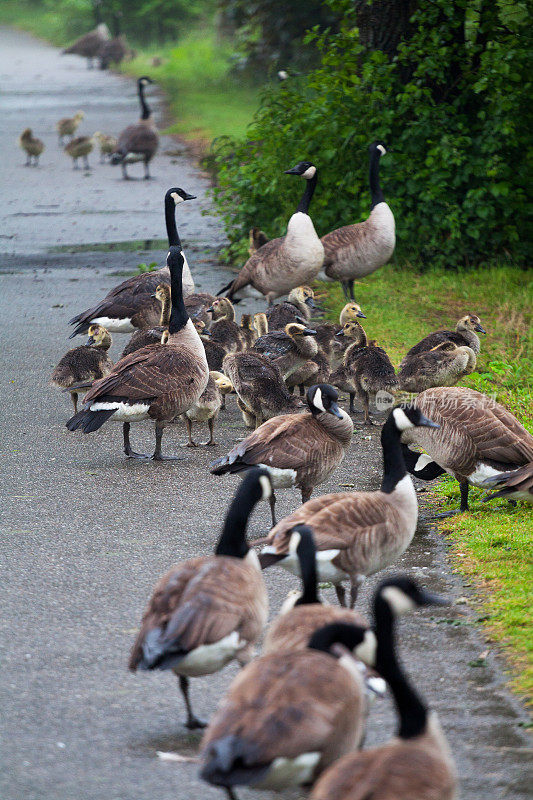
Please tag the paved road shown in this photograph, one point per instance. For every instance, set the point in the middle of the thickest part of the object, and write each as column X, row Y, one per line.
column 85, row 533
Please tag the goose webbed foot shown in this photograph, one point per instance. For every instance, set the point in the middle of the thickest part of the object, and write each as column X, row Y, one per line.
column 193, row 722
column 451, row 513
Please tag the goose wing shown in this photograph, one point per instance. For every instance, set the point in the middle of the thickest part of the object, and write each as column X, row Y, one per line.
column 137, row 138
column 248, row 271
column 274, row 344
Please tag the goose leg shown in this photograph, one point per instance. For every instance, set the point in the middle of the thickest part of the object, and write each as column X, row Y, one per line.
column 147, row 176
column 464, row 487
column 272, row 502
column 223, row 404
column 367, row 420
column 157, row 452
column 211, row 426
column 75, row 164
column 192, row 721
column 230, row 793
column 306, row 493
column 188, row 423
column 125, row 175
column 341, row 594
column 302, row 390
column 74, row 396
column 344, row 285
column 127, row 446
column 28, row 160
column 352, row 407
column 354, row 588
column 86, row 162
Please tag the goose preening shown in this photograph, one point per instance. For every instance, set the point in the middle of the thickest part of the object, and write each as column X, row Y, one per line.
column 158, row 382
column 152, row 335
column 464, row 335
column 80, row 147
column 260, row 388
column 208, row 610
column 353, row 251
column 288, row 349
column 357, row 533
column 297, row 449
column 282, row 264
column 32, row 146
column 106, row 144
column 138, row 142
column 516, row 485
column 443, row 365
column 257, row 238
column 326, row 333
column 82, row 365
column 206, row 408
column 296, row 308
column 365, row 371
column 68, row 126
column 477, row 437
column 288, row 716
column 89, row 45
column 131, row 305
column 224, row 330
column 303, row 613
column 417, row 764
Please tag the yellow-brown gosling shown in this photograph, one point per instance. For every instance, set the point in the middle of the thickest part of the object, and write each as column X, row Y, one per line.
column 80, row 147
column 32, row 146
column 68, row 126
column 81, row 366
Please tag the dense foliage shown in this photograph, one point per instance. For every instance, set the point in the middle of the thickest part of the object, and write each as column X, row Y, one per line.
column 449, row 94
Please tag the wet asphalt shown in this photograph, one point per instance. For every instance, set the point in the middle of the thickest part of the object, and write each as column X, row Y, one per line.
column 85, row 533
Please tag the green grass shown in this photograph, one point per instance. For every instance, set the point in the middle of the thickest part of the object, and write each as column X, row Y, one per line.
column 491, row 545
column 45, row 23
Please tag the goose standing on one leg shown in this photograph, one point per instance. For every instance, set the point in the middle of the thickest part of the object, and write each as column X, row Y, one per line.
column 353, row 251
column 159, row 381
column 131, row 305
column 138, row 142
column 208, row 610
column 417, row 764
column 283, row 264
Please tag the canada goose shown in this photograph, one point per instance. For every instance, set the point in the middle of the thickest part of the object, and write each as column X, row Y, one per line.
column 357, row 533
column 298, row 449
column 81, row 366
column 106, row 144
column 326, row 333
column 303, row 613
column 224, row 385
column 206, row 408
column 210, row 609
column 197, row 305
column 516, row 485
column 157, row 382
column 366, row 369
column 257, row 238
column 131, row 305
column 463, row 335
column 417, row 763
column 288, row 349
column 68, row 126
column 138, row 142
column 90, row 44
column 32, row 146
column 477, row 437
column 296, row 308
column 443, row 365
column 115, row 50
column 80, row 147
column 282, row 264
column 224, row 330
column 152, row 335
column 260, row 388
column 248, row 331
column 353, row 251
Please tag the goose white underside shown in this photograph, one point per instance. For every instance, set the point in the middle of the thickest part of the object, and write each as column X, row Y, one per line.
column 115, row 324
column 124, row 412
column 131, row 158
column 326, row 571
column 209, row 658
column 285, row 772
column 481, row 473
column 281, row 478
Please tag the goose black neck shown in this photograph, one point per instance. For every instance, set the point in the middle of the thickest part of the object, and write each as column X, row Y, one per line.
column 336, row 633
column 178, row 313
column 232, row 541
column 116, row 26
column 145, row 111
column 170, row 221
column 97, row 13
column 307, row 196
column 411, row 710
column 393, row 464
column 306, row 553
column 376, row 194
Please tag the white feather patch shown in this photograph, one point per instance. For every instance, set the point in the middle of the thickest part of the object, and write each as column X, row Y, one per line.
column 381, row 149
column 481, row 473
column 399, row 602
column 281, row 478
column 326, row 571
column 317, row 400
column 115, row 324
column 423, row 461
column 209, row 658
column 401, row 419
column 285, row 772
column 309, row 173
column 124, row 412
column 366, row 651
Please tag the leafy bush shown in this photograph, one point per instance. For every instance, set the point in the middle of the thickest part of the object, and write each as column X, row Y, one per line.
column 450, row 101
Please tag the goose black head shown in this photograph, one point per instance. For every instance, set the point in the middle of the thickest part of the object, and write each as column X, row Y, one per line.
column 323, row 398
column 378, row 146
column 179, row 195
column 403, row 594
column 408, row 416
column 305, row 169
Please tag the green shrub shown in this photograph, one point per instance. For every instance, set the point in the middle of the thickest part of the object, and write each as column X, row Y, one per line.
column 451, row 104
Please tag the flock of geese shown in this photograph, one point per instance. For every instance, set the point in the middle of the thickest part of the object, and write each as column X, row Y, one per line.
column 137, row 142
column 296, row 715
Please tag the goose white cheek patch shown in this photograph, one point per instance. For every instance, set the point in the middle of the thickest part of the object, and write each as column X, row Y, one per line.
column 310, row 172
column 381, row 149
column 317, row 400
column 402, row 420
column 398, row 600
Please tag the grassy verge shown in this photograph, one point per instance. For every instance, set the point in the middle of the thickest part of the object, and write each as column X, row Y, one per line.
column 492, row 545
column 45, row 23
